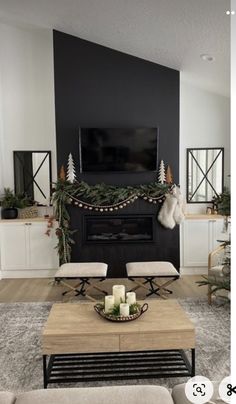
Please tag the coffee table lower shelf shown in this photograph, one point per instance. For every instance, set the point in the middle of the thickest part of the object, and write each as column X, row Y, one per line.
column 84, row 367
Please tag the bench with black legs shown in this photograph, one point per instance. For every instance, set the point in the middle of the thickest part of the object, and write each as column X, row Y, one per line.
column 153, row 276
column 88, row 274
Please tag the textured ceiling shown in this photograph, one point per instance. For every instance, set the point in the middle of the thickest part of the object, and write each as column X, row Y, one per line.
column 170, row 32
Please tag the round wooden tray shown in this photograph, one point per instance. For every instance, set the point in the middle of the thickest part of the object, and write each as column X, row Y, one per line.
column 100, row 310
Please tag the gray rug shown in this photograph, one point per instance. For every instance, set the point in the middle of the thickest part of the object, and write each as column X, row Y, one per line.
column 20, row 355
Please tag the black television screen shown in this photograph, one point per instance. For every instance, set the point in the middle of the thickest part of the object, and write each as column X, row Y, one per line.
column 105, row 149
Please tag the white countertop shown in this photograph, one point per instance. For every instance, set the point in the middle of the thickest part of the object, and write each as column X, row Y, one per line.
column 34, row 219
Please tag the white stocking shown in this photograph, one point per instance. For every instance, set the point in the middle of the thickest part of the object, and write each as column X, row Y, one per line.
column 166, row 213
column 178, row 212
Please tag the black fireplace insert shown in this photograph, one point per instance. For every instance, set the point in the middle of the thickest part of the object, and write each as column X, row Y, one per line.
column 118, row 229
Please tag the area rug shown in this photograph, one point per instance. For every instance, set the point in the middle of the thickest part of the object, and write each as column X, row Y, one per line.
column 20, row 349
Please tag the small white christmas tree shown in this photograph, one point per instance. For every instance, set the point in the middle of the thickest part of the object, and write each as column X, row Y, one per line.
column 70, row 175
column 161, row 173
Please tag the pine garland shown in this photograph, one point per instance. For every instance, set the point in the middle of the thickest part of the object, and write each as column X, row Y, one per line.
column 99, row 197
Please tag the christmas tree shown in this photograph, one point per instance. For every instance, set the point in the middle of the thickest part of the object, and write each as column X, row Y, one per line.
column 161, row 173
column 62, row 174
column 71, row 175
column 169, row 175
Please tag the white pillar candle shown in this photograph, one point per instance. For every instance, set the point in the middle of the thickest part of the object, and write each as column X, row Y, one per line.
column 131, row 298
column 109, row 303
column 118, row 292
column 124, row 309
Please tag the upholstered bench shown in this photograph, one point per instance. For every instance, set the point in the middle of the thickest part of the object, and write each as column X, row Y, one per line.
column 85, row 272
column 150, row 272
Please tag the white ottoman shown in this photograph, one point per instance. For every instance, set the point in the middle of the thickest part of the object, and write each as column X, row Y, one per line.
column 149, row 272
column 84, row 272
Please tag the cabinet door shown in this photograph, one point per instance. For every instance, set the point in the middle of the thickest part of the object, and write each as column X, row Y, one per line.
column 14, row 254
column 196, row 242
column 217, row 233
column 42, row 252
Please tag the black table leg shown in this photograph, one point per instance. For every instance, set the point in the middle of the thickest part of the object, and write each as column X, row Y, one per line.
column 45, row 379
column 193, row 362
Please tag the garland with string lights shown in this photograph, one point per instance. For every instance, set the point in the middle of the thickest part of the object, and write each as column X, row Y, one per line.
column 100, row 198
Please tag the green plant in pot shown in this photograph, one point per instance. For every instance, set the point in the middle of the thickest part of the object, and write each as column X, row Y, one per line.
column 10, row 202
column 222, row 203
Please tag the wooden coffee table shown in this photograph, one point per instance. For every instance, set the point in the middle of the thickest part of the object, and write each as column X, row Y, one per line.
column 78, row 345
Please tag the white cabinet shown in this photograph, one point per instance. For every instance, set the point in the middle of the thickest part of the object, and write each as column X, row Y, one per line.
column 13, row 246
column 199, row 237
column 26, row 250
column 42, row 252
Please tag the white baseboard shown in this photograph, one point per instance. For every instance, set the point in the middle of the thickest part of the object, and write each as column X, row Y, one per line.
column 33, row 273
column 193, row 270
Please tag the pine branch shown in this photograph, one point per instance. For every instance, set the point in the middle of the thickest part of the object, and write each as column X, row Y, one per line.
column 213, row 281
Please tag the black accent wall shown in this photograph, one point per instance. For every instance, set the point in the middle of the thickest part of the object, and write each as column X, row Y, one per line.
column 99, row 87
column 165, row 246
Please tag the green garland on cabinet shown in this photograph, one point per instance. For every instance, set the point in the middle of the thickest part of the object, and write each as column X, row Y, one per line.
column 100, row 198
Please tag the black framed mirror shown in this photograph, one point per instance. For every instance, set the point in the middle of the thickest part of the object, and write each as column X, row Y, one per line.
column 205, row 174
column 33, row 175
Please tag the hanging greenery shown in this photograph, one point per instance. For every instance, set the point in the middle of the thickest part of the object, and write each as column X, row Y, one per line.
column 99, row 197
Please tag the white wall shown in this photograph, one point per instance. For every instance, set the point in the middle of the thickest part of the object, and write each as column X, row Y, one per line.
column 204, row 122
column 27, row 113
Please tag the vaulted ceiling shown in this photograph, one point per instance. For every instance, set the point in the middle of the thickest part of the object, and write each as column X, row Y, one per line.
column 173, row 33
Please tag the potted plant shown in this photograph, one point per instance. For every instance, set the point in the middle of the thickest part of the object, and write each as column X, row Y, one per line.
column 222, row 204
column 10, row 202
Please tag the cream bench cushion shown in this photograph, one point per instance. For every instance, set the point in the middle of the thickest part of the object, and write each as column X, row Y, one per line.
column 147, row 275
column 151, row 268
column 82, row 270
column 216, row 270
column 88, row 274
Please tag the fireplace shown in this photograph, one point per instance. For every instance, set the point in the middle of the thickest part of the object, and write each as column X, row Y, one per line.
column 160, row 244
column 118, row 229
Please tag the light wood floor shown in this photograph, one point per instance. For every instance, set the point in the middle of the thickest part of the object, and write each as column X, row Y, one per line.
column 41, row 289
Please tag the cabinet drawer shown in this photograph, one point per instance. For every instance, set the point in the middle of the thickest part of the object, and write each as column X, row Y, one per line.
column 56, row 344
column 157, row 341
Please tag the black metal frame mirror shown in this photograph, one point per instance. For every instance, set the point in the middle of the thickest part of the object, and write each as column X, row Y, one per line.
column 205, row 174
column 33, row 174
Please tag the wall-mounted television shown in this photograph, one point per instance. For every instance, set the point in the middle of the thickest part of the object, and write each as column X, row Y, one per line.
column 117, row 149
